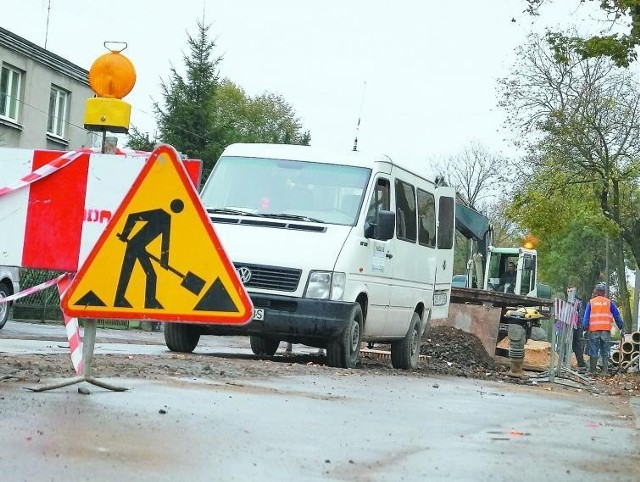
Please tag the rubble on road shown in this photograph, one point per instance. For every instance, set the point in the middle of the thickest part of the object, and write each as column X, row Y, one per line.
column 452, row 351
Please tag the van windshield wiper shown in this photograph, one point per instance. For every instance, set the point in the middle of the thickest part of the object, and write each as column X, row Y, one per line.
column 236, row 211
column 293, row 217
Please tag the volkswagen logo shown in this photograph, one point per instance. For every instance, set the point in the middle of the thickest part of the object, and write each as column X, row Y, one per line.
column 245, row 274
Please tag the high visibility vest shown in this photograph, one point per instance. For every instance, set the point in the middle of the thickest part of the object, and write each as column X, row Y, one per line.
column 600, row 318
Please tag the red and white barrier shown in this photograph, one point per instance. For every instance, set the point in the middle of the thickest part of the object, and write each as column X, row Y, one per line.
column 54, row 205
column 71, row 324
column 73, row 331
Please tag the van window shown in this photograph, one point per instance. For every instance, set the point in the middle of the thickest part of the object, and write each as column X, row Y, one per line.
column 445, row 223
column 329, row 193
column 379, row 200
column 405, row 211
column 426, row 218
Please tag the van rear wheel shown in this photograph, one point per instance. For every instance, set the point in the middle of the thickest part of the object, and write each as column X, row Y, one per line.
column 343, row 351
column 405, row 352
column 181, row 337
column 263, row 346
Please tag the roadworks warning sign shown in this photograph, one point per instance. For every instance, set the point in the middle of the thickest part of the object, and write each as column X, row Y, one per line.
column 159, row 257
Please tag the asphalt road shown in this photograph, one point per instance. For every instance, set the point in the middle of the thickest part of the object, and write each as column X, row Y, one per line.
column 335, row 425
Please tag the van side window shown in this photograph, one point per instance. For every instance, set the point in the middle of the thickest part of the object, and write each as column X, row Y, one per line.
column 405, row 211
column 426, row 218
column 379, row 200
column 445, row 223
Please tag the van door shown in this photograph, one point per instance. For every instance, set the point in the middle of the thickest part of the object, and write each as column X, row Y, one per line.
column 378, row 268
column 444, row 253
column 405, row 285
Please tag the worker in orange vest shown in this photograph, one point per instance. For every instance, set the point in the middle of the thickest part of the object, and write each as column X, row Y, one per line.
column 598, row 319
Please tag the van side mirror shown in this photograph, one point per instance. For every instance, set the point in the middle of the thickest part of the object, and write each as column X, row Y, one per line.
column 528, row 263
column 383, row 228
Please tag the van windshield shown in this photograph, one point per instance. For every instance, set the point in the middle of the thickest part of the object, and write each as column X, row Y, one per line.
column 307, row 191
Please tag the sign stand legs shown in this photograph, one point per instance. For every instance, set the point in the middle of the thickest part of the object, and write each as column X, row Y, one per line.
column 88, row 343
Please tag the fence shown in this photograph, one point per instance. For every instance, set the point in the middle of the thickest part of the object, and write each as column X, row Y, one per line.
column 44, row 305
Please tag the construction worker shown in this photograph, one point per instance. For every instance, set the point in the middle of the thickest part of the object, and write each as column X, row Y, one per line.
column 598, row 318
column 578, row 340
column 508, row 278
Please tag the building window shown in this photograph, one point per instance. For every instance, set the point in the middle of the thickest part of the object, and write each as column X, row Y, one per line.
column 58, row 100
column 10, row 80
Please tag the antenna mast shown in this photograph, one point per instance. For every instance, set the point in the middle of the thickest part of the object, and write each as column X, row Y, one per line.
column 46, row 33
column 355, row 141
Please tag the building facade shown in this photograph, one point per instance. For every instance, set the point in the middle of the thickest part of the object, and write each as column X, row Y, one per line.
column 42, row 97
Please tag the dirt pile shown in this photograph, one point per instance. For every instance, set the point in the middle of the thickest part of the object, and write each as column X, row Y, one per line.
column 455, row 352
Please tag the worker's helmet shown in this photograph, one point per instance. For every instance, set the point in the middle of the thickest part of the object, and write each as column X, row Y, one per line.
column 601, row 288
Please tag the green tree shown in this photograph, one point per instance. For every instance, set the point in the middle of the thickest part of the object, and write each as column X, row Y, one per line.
column 619, row 47
column 141, row 141
column 566, row 218
column 186, row 116
column 264, row 118
column 201, row 113
column 581, row 118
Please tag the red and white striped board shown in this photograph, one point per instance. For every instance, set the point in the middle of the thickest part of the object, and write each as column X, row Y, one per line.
column 56, row 204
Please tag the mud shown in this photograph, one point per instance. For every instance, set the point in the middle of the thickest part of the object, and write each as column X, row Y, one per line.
column 445, row 351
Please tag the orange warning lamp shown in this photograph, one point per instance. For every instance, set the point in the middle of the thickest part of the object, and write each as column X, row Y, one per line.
column 111, row 77
column 530, row 241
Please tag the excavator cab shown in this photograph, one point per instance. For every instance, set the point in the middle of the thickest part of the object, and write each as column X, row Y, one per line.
column 523, row 279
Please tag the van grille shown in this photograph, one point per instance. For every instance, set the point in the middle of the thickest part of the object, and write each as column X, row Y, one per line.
column 270, row 277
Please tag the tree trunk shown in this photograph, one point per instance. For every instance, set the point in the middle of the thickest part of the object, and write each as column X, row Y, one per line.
column 622, row 283
column 620, row 266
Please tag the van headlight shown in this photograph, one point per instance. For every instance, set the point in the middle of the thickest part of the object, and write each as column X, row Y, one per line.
column 326, row 285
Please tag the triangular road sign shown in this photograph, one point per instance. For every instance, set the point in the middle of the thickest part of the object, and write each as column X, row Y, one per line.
column 159, row 257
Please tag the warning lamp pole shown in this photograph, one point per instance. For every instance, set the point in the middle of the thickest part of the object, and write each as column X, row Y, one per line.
column 111, row 77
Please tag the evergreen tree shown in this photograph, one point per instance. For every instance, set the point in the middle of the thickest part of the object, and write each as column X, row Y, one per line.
column 201, row 114
column 185, row 120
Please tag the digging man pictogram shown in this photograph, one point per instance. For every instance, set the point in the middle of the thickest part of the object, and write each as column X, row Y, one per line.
column 157, row 223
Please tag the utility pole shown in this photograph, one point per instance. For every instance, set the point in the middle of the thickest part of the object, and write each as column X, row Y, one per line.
column 46, row 32
column 635, row 323
column 606, row 267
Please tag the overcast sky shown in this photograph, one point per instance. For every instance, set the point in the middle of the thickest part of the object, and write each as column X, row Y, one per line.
column 430, row 66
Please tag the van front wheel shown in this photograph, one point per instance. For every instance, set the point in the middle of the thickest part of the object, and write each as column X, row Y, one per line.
column 343, row 351
column 181, row 337
column 405, row 352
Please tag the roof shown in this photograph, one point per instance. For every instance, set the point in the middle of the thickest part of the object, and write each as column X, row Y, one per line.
column 50, row 60
column 314, row 154
column 303, row 153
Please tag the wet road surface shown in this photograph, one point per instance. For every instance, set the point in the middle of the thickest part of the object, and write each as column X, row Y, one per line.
column 333, row 425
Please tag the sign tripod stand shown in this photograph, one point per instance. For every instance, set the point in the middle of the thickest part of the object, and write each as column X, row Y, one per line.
column 88, row 344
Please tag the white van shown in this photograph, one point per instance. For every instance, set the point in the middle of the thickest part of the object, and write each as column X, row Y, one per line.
column 334, row 249
column 9, row 285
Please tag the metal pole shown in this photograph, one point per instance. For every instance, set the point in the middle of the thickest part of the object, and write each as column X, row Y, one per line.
column 606, row 267
column 636, row 295
column 552, row 363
